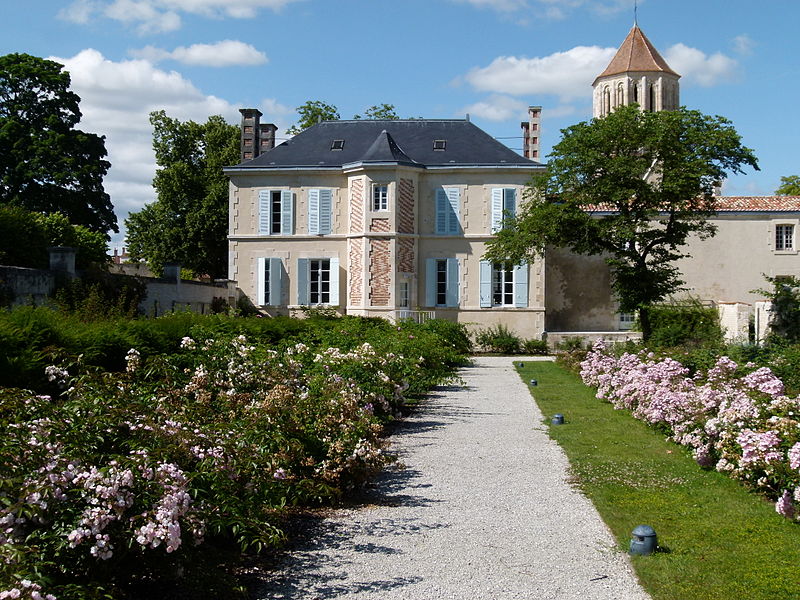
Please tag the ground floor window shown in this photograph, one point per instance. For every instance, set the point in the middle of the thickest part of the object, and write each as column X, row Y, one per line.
column 503, row 284
column 403, row 295
column 319, row 288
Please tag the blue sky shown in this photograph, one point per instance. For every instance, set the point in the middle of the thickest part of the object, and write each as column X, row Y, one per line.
column 430, row 58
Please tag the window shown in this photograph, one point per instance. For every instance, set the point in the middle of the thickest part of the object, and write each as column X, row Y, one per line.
column 448, row 202
column 441, row 282
column 275, row 212
column 270, row 277
column 503, row 284
column 439, row 145
column 626, row 320
column 784, row 238
column 504, row 207
column 318, row 281
column 380, row 197
column 606, row 100
column 620, row 95
column 403, row 300
column 337, row 145
column 320, row 207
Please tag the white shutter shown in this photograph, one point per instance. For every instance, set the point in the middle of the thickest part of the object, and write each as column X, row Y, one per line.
column 334, row 262
column 452, row 282
column 263, row 212
column 260, row 288
column 454, row 200
column 325, row 211
column 430, row 282
column 303, row 275
column 287, row 212
column 313, row 212
column 521, row 285
column 275, row 281
column 442, row 208
column 486, row 284
column 497, row 210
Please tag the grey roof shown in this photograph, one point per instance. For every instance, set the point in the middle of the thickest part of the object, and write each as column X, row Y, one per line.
column 408, row 142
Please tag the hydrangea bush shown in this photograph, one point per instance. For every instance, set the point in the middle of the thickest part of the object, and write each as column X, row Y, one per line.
column 133, row 475
column 734, row 418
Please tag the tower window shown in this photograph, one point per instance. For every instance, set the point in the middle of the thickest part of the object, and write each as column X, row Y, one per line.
column 439, row 144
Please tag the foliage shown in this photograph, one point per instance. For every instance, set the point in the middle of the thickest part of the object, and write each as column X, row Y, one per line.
column 718, row 540
column 632, row 186
column 784, row 323
column 685, row 323
column 499, row 339
column 188, row 223
column 535, row 347
column 46, row 165
column 790, row 186
column 25, row 237
column 100, row 295
column 311, row 113
column 380, row 112
column 132, row 477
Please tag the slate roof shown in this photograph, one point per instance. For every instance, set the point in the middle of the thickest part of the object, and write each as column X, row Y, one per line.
column 407, row 142
column 636, row 54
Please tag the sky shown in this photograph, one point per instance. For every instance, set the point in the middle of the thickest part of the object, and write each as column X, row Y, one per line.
column 490, row 59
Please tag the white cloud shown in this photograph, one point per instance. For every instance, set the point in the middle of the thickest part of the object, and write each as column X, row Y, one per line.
column 567, row 74
column 498, row 108
column 116, row 100
column 696, row 67
column 158, row 16
column 226, row 53
column 743, row 44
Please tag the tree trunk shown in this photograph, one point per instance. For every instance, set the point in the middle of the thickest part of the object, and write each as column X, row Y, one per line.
column 644, row 322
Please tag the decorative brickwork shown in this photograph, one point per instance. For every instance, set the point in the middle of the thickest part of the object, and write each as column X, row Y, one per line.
column 405, row 255
column 380, row 225
column 379, row 272
column 405, row 212
column 357, row 206
column 356, row 282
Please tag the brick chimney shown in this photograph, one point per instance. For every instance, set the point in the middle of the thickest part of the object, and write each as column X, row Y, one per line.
column 531, row 130
column 267, row 135
column 251, row 129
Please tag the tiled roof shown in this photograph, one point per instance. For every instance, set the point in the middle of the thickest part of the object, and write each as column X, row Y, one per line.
column 636, row 54
column 758, row 203
column 408, row 141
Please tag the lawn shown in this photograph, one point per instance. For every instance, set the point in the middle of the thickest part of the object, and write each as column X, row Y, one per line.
column 717, row 539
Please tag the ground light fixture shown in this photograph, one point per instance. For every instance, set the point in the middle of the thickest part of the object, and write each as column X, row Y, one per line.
column 644, row 541
column 534, row 383
column 558, row 419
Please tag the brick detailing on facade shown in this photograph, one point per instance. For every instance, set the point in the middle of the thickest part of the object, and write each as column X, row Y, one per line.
column 379, row 272
column 356, row 279
column 405, row 255
column 379, row 225
column 405, row 206
column 357, row 206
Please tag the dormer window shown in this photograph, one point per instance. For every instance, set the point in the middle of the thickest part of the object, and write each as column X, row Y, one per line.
column 337, row 145
column 439, row 145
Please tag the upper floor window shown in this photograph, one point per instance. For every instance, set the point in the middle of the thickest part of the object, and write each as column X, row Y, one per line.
column 380, row 197
column 504, row 207
column 275, row 212
column 448, row 201
column 320, row 211
column 784, row 238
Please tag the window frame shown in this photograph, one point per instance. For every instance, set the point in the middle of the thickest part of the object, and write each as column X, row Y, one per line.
column 503, row 207
column 785, row 248
column 271, row 221
column 380, row 204
column 519, row 283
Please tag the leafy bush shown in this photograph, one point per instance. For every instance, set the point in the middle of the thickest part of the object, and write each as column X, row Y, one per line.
column 535, row 347
column 784, row 325
column 498, row 339
column 688, row 323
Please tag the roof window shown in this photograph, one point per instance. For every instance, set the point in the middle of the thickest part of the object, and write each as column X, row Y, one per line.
column 337, row 145
column 439, row 144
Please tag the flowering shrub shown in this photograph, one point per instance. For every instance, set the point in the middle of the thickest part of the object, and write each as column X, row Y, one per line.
column 734, row 418
column 134, row 475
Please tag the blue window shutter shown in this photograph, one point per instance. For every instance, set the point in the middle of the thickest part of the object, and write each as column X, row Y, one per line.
column 430, row 282
column 509, row 203
column 262, row 266
column 454, row 200
column 521, row 285
column 313, row 212
column 287, row 212
column 442, row 209
column 303, row 275
column 452, row 282
column 263, row 212
column 275, row 281
column 334, row 281
column 325, row 211
column 497, row 210
column 486, row 284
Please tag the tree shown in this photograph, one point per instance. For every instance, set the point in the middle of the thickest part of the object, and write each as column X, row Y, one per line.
column 790, row 186
column 632, row 186
column 46, row 165
column 379, row 111
column 188, row 222
column 311, row 113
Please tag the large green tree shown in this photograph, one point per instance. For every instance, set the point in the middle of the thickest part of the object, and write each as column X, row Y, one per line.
column 188, row 222
column 46, row 165
column 314, row 111
column 632, row 186
column 790, row 186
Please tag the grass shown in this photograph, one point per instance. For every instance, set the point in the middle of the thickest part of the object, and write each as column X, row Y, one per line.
column 718, row 540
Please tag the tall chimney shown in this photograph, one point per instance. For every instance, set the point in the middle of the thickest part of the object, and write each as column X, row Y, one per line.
column 531, row 131
column 267, row 136
column 250, row 133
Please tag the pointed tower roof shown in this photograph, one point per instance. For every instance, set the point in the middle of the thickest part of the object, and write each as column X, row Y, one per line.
column 636, row 54
column 385, row 149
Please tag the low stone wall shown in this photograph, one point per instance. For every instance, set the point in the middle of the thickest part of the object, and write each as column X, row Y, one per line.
column 21, row 286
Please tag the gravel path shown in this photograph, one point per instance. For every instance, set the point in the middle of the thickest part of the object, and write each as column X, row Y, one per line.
column 481, row 511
